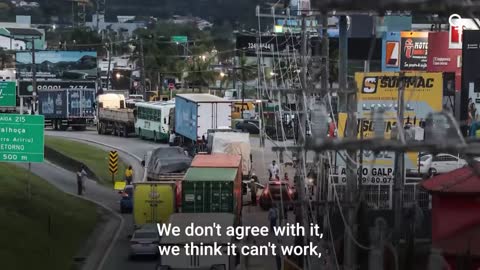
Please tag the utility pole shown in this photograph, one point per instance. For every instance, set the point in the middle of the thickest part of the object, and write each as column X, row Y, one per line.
column 243, row 81
column 351, row 188
column 142, row 71
column 301, row 214
column 109, row 62
column 399, row 166
column 324, row 75
column 34, row 80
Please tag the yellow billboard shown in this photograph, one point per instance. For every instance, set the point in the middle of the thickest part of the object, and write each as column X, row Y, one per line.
column 423, row 94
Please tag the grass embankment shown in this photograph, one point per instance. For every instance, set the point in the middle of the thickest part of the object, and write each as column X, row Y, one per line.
column 94, row 158
column 25, row 224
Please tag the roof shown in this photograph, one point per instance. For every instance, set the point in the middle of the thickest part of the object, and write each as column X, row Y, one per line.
column 217, row 161
column 155, row 105
column 461, row 181
column 199, row 98
column 24, row 31
column 210, row 174
column 460, row 242
column 183, row 220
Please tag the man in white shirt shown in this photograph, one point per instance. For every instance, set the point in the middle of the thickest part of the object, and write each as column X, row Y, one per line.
column 273, row 170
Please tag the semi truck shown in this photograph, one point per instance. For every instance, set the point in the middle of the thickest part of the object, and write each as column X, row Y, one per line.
column 113, row 117
column 208, row 262
column 167, row 166
column 195, row 114
column 212, row 189
column 232, row 142
column 64, row 108
column 153, row 202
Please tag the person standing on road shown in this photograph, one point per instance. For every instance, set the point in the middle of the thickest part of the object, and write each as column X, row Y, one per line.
column 171, row 140
column 272, row 217
column 253, row 192
column 129, row 175
column 273, row 170
column 81, row 174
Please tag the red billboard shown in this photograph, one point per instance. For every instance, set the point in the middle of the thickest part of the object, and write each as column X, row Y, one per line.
column 443, row 59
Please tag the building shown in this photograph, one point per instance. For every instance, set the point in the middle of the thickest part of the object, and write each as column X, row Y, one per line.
column 124, row 26
column 13, row 35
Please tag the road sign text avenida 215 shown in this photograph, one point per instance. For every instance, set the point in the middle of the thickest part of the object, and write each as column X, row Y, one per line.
column 21, row 138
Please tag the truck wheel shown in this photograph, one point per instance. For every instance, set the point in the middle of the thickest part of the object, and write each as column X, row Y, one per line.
column 55, row 124
column 63, row 128
column 154, row 136
column 125, row 132
column 140, row 133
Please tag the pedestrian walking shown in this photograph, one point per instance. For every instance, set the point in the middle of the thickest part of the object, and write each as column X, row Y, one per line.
column 81, row 174
column 129, row 175
column 272, row 217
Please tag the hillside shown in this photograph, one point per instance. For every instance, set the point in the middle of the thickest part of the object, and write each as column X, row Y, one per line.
column 234, row 11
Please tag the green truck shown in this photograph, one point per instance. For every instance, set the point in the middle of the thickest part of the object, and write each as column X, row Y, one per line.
column 212, row 190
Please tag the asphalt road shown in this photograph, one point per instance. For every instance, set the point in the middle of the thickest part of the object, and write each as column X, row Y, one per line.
column 118, row 259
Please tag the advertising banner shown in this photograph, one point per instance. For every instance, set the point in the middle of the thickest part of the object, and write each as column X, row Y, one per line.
column 66, row 65
column 391, row 52
column 423, row 95
column 470, row 74
column 25, row 88
column 457, row 26
column 8, row 97
column 268, row 46
column 414, row 47
column 443, row 59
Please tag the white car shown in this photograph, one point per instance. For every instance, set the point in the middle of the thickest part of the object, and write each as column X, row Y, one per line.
column 145, row 241
column 441, row 163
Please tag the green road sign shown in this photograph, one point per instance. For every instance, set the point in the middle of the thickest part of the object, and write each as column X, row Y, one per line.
column 21, row 138
column 8, row 94
column 180, row 39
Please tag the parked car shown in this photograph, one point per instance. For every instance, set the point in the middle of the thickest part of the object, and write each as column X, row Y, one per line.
column 145, row 241
column 126, row 202
column 442, row 163
column 276, row 192
column 250, row 126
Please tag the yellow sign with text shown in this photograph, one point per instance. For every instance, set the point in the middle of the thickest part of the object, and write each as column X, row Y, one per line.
column 423, row 93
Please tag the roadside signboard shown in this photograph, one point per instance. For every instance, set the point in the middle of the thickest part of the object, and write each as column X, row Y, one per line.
column 423, row 95
column 64, row 65
column 8, row 94
column 25, row 88
column 180, row 39
column 21, row 138
column 457, row 26
column 414, row 47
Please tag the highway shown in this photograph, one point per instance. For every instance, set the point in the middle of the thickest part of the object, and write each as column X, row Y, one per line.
column 137, row 149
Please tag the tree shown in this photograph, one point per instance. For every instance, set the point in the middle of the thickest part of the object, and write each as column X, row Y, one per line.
column 200, row 74
column 166, row 58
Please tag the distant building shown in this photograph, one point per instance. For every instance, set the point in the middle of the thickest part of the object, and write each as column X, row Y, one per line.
column 124, row 27
column 12, row 35
column 199, row 22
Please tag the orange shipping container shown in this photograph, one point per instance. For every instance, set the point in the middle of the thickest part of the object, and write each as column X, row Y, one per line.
column 217, row 161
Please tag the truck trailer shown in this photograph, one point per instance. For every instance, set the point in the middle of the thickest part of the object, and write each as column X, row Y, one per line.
column 195, row 114
column 199, row 262
column 113, row 117
column 64, row 108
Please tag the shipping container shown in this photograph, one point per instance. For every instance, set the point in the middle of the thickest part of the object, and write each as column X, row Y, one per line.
column 195, row 114
column 217, row 161
column 67, row 107
column 153, row 202
column 212, row 190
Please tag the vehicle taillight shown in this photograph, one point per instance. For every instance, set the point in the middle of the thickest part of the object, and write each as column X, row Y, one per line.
column 290, row 192
column 265, row 192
